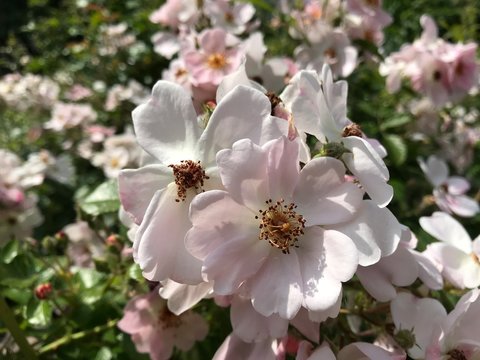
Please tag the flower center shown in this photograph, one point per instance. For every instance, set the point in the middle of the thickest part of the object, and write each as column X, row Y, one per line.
column 188, row 174
column 475, row 258
column 180, row 72
column 352, row 130
column 229, row 18
column 167, row 319
column 274, row 101
column 280, row 225
column 216, row 61
column 456, row 354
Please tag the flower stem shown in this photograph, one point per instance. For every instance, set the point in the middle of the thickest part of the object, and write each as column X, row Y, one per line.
column 7, row 317
column 76, row 336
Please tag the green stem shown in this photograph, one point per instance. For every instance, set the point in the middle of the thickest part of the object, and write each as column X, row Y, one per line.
column 76, row 336
column 8, row 319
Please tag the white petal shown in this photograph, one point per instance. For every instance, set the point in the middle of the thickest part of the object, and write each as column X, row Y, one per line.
column 322, row 195
column 374, row 230
column 166, row 126
column 137, row 187
column 250, row 326
column 435, row 169
column 244, row 173
column 326, row 257
column 277, row 287
column 225, row 235
column 244, row 113
column 365, row 163
column 445, row 228
column 159, row 244
column 182, row 297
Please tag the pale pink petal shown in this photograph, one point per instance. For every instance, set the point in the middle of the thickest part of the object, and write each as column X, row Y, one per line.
column 374, row 230
column 320, row 288
column 365, row 163
column 213, row 40
column 323, row 352
column 193, row 328
column 277, row 286
column 137, row 187
column 250, row 326
column 363, row 351
column 283, row 167
column 445, row 228
column 462, row 205
column 310, row 329
column 182, row 297
column 166, row 126
column 159, row 243
column 435, row 169
column 224, row 235
column 457, row 185
column 423, row 316
column 244, row 113
column 233, row 348
column 428, row 272
column 245, row 183
column 335, row 200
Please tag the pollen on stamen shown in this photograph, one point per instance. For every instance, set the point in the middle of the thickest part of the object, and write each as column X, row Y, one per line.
column 188, row 175
column 280, row 225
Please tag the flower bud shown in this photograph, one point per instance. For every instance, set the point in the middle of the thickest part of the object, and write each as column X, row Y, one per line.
column 405, row 338
column 43, row 291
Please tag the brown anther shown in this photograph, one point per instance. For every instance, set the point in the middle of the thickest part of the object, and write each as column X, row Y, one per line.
column 280, row 225
column 188, row 175
column 330, row 53
column 274, row 101
column 167, row 319
column 180, row 72
column 475, row 258
column 352, row 130
column 229, row 18
column 437, row 75
column 456, row 354
column 216, row 61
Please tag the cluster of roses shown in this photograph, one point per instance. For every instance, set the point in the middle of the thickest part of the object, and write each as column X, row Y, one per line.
column 229, row 32
column 236, row 206
column 440, row 70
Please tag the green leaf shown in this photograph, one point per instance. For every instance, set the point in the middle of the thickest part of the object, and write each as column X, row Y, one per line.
column 102, row 200
column 397, row 149
column 89, row 277
column 104, row 354
column 135, row 273
column 20, row 296
column 395, row 122
column 38, row 313
column 9, row 251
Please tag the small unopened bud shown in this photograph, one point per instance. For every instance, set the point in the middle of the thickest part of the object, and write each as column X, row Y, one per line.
column 112, row 240
column 332, row 149
column 43, row 291
column 208, row 108
column 60, row 236
column 405, row 338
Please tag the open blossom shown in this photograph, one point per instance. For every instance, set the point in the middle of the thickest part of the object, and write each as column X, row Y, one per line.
column 114, row 37
column 457, row 255
column 66, row 116
column 157, row 331
column 214, row 58
column 175, row 13
column 449, row 191
column 440, row 70
column 233, row 18
column 158, row 195
column 434, row 335
column 265, row 228
column 319, row 108
column 366, row 19
column 458, row 337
